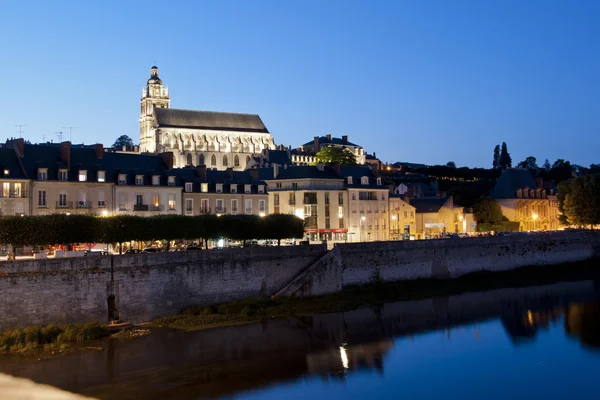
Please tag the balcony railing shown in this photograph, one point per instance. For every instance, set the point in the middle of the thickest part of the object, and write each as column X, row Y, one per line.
column 101, row 204
column 156, row 207
column 84, row 204
column 220, row 210
column 15, row 194
column 205, row 210
column 64, row 204
column 140, row 207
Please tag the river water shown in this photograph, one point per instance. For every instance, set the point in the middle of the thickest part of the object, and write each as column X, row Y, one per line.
column 538, row 342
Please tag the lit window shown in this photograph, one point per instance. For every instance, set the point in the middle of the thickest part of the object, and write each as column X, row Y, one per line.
column 82, row 175
column 62, row 175
column 171, row 202
column 349, row 180
column 189, row 186
column 101, row 176
column 6, row 172
column 204, row 188
column 364, row 180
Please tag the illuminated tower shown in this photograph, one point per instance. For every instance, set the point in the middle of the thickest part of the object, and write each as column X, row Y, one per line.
column 155, row 95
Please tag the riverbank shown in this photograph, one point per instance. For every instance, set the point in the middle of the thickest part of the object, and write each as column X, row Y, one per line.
column 253, row 310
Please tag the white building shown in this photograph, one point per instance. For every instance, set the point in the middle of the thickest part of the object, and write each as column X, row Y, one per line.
column 216, row 139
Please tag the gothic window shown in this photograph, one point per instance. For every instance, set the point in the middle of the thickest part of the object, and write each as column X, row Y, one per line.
column 189, row 159
column 236, row 161
column 225, row 161
column 200, row 159
column 213, row 160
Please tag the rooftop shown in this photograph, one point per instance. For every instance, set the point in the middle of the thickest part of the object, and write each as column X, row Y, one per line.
column 212, row 120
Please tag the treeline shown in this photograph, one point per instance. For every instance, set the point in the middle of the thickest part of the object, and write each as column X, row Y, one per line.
column 61, row 229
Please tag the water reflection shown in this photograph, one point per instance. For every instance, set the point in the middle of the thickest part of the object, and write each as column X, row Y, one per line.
column 340, row 347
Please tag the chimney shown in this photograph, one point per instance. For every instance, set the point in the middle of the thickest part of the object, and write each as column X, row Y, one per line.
column 124, row 148
column 65, row 153
column 336, row 167
column 329, row 137
column 275, row 170
column 201, row 172
column 253, row 174
column 18, row 145
column 99, row 149
column 316, row 144
column 374, row 155
column 229, row 173
column 168, row 159
column 345, row 139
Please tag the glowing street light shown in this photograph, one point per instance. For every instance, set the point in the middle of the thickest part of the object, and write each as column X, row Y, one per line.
column 534, row 216
column 262, row 214
column 394, row 217
column 363, row 218
column 104, row 213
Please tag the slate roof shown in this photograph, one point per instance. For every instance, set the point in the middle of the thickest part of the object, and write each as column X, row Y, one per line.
column 323, row 140
column 512, row 179
column 214, row 177
column 429, row 205
column 212, row 120
column 10, row 161
column 279, row 157
column 357, row 172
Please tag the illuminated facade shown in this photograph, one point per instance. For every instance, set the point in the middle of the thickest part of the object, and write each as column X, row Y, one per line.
column 216, row 139
column 530, row 202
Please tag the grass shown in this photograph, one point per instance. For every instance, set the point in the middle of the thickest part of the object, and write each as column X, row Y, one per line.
column 252, row 310
column 49, row 337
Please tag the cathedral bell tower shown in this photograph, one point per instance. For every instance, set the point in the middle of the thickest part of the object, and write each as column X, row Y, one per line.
column 155, row 95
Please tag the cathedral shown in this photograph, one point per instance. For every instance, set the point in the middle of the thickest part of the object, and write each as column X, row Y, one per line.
column 218, row 140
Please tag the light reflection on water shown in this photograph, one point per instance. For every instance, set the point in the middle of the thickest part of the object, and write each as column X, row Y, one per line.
column 512, row 343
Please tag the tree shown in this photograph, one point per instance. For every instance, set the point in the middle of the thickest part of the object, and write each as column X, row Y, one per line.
column 561, row 171
column 451, row 164
column 564, row 189
column 336, row 154
column 123, row 140
column 581, row 203
column 497, row 156
column 488, row 211
column 529, row 163
column 505, row 160
column 547, row 165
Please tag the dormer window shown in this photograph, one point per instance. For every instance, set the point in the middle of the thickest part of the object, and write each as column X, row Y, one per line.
column 171, row 181
column 219, row 188
column 62, row 174
column 189, row 187
column 156, row 180
column 101, row 176
column 364, row 180
column 82, row 175
column 42, row 174
column 261, row 188
column 122, row 179
column 247, row 188
column 349, row 180
column 378, row 181
column 204, row 187
column 139, row 179
column 233, row 188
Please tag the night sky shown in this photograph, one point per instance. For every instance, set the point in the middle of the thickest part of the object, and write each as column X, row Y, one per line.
column 418, row 81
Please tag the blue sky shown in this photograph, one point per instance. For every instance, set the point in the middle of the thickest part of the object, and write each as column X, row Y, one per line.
column 421, row 81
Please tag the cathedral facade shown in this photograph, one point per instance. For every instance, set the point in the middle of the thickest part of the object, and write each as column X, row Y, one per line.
column 218, row 140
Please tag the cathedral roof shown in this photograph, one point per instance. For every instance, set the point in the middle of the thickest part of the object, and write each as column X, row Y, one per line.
column 220, row 121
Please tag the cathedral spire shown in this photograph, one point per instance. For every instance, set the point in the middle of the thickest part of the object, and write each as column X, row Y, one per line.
column 154, row 95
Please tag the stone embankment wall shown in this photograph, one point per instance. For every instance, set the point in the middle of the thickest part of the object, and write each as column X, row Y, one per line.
column 144, row 286
column 139, row 288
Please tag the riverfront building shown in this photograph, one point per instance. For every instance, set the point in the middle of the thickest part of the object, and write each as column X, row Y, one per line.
column 219, row 140
column 530, row 202
column 305, row 154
